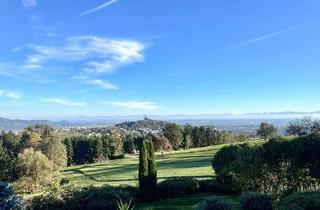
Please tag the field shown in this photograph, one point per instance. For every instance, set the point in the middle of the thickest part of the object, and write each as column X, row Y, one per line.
column 191, row 163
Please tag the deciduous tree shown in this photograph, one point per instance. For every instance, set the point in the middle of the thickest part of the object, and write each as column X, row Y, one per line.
column 37, row 170
column 266, row 131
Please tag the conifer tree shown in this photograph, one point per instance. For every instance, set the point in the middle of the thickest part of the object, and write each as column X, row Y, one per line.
column 148, row 172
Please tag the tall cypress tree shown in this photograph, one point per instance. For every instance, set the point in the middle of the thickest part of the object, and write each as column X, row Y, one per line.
column 152, row 168
column 69, row 148
column 148, row 172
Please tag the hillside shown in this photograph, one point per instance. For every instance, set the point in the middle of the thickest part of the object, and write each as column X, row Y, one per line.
column 15, row 125
column 146, row 123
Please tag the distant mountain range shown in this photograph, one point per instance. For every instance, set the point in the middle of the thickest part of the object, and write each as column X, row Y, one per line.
column 8, row 124
column 254, row 115
column 237, row 122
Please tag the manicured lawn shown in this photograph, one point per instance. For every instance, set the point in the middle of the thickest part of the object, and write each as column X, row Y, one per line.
column 192, row 163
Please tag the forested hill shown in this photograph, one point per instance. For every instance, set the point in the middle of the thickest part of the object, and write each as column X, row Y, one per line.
column 15, row 125
column 146, row 123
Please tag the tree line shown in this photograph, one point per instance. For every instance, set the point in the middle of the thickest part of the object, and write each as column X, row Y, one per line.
column 32, row 158
column 84, row 149
column 198, row 136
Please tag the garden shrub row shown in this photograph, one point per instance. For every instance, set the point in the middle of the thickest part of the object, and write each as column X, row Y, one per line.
column 178, row 187
column 309, row 200
column 104, row 198
column 279, row 167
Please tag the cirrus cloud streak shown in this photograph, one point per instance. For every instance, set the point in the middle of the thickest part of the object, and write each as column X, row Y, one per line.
column 94, row 55
column 10, row 94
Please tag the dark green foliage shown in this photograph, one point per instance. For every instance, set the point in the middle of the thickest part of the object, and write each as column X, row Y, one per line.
column 81, row 149
column 69, row 149
column 279, row 167
column 84, row 149
column 266, row 131
column 178, row 187
column 206, row 136
column 206, row 185
column 105, row 146
column 64, row 181
column 225, row 157
column 104, row 198
column 256, row 201
column 9, row 149
column 116, row 157
column 187, row 137
column 146, row 123
column 97, row 150
column 302, row 201
column 173, row 133
column 148, row 172
column 9, row 200
column 215, row 203
column 138, row 142
column 128, row 146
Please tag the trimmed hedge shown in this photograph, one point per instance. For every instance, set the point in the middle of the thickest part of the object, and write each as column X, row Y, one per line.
column 104, row 198
column 178, row 187
column 302, row 201
column 255, row 201
column 215, row 203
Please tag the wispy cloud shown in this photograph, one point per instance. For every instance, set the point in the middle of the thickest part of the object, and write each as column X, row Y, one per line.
column 10, row 94
column 32, row 66
column 108, row 3
column 95, row 55
column 267, row 36
column 29, row 3
column 143, row 105
column 101, row 84
column 64, row 102
column 24, row 72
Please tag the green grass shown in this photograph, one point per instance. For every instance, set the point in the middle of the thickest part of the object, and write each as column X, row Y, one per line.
column 185, row 203
column 191, row 163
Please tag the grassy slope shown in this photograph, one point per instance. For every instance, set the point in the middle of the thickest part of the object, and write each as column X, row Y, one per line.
column 192, row 163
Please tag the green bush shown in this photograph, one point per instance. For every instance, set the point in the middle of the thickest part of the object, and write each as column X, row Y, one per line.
column 302, row 201
column 206, row 185
column 9, row 200
column 116, row 157
column 105, row 197
column 224, row 157
column 220, row 186
column 279, row 167
column 177, row 187
column 64, row 181
column 215, row 203
column 255, row 201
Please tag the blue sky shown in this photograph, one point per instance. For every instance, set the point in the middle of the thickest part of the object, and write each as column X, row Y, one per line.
column 124, row 57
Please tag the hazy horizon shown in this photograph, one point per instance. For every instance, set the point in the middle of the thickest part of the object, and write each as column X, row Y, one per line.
column 225, row 116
